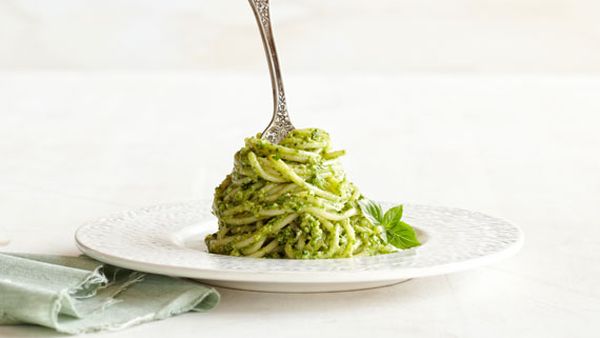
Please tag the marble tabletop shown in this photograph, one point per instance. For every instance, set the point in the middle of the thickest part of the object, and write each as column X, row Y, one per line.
column 75, row 146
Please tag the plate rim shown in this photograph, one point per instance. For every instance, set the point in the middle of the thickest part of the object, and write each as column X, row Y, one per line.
column 299, row 277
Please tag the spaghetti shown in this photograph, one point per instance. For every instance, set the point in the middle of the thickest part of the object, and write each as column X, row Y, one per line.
column 292, row 200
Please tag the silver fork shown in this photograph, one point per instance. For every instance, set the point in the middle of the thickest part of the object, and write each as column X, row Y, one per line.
column 280, row 124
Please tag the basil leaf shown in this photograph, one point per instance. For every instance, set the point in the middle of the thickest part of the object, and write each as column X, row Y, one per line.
column 402, row 235
column 392, row 216
column 398, row 233
column 372, row 211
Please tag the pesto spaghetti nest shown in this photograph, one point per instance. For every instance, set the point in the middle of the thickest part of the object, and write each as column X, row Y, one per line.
column 292, row 200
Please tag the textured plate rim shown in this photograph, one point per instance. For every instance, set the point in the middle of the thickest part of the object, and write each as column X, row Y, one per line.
column 310, row 277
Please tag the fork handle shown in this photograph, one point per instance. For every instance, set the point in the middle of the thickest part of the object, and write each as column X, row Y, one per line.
column 280, row 124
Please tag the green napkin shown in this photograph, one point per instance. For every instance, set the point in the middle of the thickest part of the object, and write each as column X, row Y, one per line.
column 78, row 294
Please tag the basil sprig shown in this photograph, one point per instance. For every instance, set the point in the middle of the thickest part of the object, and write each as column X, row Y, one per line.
column 398, row 233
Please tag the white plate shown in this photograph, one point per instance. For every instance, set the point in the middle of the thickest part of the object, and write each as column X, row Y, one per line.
column 168, row 239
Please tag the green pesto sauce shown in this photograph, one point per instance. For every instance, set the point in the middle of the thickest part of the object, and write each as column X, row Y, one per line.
column 255, row 201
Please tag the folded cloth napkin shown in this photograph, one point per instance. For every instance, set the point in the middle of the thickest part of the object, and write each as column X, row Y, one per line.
column 78, row 294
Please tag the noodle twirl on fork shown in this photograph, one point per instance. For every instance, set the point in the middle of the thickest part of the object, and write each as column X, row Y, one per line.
column 292, row 200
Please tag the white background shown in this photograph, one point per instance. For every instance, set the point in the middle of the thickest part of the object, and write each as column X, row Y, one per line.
column 339, row 36
column 489, row 105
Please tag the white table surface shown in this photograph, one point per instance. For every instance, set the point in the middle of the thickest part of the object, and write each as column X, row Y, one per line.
column 77, row 146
